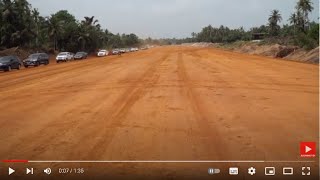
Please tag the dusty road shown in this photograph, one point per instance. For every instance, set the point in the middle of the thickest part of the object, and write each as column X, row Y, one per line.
column 168, row 103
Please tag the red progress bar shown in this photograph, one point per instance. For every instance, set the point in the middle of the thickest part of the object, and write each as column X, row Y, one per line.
column 15, row 161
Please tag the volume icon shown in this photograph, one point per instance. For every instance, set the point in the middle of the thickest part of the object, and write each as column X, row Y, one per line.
column 47, row 171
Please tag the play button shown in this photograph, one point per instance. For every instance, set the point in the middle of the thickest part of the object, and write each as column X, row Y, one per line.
column 308, row 149
column 11, row 171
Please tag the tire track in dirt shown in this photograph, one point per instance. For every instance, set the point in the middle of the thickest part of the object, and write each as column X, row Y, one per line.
column 122, row 106
column 211, row 137
column 51, row 83
column 248, row 77
column 271, row 69
column 245, row 141
column 62, row 127
column 39, row 145
column 27, row 77
column 62, row 75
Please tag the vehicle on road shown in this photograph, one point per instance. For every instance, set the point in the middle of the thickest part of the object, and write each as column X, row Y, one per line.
column 80, row 55
column 122, row 51
column 115, row 52
column 134, row 49
column 127, row 50
column 102, row 53
column 7, row 63
column 64, row 57
column 36, row 60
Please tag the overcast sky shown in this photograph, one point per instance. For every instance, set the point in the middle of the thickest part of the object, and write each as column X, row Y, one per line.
column 172, row 18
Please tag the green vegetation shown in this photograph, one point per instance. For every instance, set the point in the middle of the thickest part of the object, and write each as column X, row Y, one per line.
column 21, row 25
column 274, row 19
column 299, row 32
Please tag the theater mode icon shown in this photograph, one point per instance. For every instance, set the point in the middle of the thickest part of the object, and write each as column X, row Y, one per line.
column 308, row 149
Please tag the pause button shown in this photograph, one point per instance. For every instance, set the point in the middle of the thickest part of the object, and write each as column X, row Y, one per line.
column 212, row 171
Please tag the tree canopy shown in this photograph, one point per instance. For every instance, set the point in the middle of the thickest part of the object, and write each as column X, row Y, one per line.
column 22, row 25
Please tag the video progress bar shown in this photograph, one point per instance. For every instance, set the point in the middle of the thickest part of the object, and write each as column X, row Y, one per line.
column 127, row 161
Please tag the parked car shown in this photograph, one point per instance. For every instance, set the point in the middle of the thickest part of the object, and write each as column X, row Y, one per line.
column 134, row 49
column 122, row 50
column 7, row 63
column 102, row 53
column 36, row 60
column 64, row 57
column 81, row 55
column 115, row 52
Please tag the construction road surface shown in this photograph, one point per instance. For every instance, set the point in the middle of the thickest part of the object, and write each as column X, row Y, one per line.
column 165, row 103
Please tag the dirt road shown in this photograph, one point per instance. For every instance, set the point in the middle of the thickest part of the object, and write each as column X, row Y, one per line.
column 167, row 103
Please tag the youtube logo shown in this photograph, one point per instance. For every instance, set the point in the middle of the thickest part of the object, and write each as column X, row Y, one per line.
column 308, row 149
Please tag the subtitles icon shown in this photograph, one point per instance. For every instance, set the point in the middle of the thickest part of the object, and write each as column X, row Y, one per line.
column 233, row 171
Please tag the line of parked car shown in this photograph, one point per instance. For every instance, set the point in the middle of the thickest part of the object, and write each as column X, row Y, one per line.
column 104, row 52
column 68, row 56
column 7, row 63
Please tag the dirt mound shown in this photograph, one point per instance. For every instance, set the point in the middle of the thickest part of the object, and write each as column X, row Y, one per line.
column 277, row 51
column 22, row 54
column 202, row 44
column 262, row 49
column 306, row 56
column 285, row 52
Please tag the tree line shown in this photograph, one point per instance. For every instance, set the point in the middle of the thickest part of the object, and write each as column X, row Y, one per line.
column 299, row 31
column 23, row 26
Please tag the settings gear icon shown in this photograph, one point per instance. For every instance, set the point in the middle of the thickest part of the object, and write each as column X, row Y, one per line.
column 252, row 171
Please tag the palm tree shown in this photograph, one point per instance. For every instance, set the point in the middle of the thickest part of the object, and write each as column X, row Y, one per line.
column 305, row 6
column 83, row 37
column 55, row 27
column 274, row 19
column 294, row 21
column 89, row 21
column 194, row 35
column 35, row 16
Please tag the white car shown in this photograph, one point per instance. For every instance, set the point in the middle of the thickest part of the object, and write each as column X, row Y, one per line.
column 102, row 53
column 64, row 57
column 134, row 49
column 115, row 52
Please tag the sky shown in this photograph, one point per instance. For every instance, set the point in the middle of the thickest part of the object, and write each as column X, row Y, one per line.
column 172, row 18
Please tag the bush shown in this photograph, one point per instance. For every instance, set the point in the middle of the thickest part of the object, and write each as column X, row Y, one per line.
column 314, row 32
column 303, row 40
